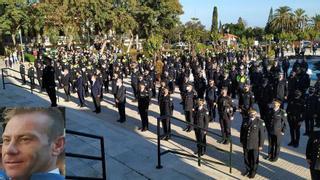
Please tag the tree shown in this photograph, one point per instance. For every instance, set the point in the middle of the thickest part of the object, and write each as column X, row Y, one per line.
column 193, row 32
column 153, row 45
column 37, row 22
column 236, row 29
column 301, row 19
column 283, row 20
column 14, row 18
column 214, row 26
column 316, row 22
column 270, row 19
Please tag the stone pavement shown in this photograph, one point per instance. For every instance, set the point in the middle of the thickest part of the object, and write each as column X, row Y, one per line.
column 131, row 154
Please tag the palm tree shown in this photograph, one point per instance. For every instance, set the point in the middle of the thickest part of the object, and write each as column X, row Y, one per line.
column 283, row 20
column 301, row 18
column 316, row 21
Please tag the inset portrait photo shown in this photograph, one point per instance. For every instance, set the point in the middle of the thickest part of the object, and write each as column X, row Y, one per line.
column 32, row 143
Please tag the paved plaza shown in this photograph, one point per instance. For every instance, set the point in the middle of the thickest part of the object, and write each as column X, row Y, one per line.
column 131, row 154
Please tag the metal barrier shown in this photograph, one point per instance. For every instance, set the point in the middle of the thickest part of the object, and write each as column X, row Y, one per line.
column 82, row 156
column 4, row 73
column 159, row 137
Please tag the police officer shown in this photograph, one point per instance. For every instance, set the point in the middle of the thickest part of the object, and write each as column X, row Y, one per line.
column 276, row 128
column 121, row 100
column 22, row 72
column 211, row 99
column 144, row 96
column 252, row 138
column 115, row 78
column 39, row 71
column 65, row 81
column 134, row 83
column 312, row 101
column 295, row 110
column 31, row 75
column 246, row 102
column 201, row 119
column 105, row 77
column 166, row 109
column 190, row 97
column 281, row 89
column 225, row 110
column 285, row 66
column 200, row 85
column 96, row 93
column 313, row 153
column 48, row 82
column 80, row 89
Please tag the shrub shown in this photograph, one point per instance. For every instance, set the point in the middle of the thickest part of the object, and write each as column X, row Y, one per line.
column 29, row 57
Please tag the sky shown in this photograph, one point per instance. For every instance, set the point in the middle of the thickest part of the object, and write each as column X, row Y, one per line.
column 254, row 12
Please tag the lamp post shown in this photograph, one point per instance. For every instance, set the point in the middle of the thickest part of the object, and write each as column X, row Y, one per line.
column 22, row 54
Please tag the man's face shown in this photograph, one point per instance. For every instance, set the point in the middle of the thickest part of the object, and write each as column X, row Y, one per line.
column 26, row 147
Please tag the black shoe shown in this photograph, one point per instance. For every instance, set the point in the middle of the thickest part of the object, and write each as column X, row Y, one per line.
column 226, row 142
column 189, row 130
column 296, row 145
column 185, row 129
column 245, row 173
column 120, row 121
column 251, row 175
column 273, row 159
column 290, row 144
column 167, row 138
column 94, row 111
column 267, row 157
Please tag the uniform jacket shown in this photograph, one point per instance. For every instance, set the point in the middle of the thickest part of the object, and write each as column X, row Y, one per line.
column 252, row 134
column 313, row 150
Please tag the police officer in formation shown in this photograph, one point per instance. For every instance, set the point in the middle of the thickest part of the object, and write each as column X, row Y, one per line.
column 80, row 89
column 252, row 136
column 166, row 110
column 39, row 72
column 295, row 110
column 121, row 100
column 189, row 104
column 66, row 81
column 48, row 82
column 144, row 97
column 246, row 102
column 22, row 70
column 312, row 110
column 96, row 93
column 31, row 75
column 211, row 98
column 225, row 110
column 201, row 122
column 281, row 89
column 275, row 125
column 313, row 152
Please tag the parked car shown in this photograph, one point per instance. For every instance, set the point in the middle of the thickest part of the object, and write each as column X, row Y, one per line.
column 306, row 44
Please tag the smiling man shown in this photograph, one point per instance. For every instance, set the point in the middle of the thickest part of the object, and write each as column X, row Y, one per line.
column 33, row 139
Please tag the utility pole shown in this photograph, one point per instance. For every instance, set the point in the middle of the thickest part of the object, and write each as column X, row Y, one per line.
column 22, row 47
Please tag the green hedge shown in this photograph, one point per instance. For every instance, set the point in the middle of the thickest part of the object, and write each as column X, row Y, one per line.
column 29, row 57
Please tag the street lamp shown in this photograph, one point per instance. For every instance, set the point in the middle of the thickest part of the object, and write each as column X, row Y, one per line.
column 22, row 54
